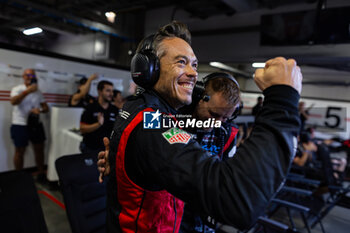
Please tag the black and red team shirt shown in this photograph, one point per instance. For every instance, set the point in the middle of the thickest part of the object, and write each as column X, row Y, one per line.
column 219, row 141
column 234, row 192
column 94, row 140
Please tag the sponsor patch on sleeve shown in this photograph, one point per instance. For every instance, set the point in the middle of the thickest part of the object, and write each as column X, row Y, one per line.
column 175, row 135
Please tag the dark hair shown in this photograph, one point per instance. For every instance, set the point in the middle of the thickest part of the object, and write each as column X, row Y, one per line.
column 305, row 137
column 310, row 130
column 227, row 87
column 101, row 84
column 173, row 29
column 83, row 80
column 116, row 92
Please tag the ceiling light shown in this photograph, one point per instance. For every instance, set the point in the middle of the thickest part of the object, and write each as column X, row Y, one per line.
column 222, row 66
column 110, row 16
column 258, row 64
column 32, row 31
column 217, row 65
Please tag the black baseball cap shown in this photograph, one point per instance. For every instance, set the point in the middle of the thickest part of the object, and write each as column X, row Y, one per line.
column 82, row 80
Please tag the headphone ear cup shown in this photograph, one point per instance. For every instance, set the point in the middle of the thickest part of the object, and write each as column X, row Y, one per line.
column 198, row 91
column 145, row 69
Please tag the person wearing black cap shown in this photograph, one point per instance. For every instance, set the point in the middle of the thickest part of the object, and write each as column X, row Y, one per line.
column 82, row 98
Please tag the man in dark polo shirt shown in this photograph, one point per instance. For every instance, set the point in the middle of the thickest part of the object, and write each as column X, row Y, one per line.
column 98, row 119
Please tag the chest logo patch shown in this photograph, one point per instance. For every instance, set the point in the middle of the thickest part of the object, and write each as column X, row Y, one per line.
column 175, row 135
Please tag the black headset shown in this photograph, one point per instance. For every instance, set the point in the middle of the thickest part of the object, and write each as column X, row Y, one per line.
column 145, row 65
column 199, row 90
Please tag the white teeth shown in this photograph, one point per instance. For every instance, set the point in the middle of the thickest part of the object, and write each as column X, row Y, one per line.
column 187, row 86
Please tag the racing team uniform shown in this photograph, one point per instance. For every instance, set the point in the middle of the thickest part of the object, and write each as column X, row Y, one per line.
column 218, row 142
column 93, row 141
column 154, row 171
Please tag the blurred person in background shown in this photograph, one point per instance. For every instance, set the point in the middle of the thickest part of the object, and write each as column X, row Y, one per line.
column 304, row 114
column 82, row 98
column 258, row 106
column 28, row 102
column 118, row 100
column 98, row 119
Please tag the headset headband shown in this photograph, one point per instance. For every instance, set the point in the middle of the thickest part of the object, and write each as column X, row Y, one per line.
column 219, row 75
column 147, row 43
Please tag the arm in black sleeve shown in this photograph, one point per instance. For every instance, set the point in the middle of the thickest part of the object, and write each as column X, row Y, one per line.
column 234, row 191
column 87, row 116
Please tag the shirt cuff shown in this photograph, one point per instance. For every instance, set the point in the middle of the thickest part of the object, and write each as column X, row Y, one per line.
column 282, row 96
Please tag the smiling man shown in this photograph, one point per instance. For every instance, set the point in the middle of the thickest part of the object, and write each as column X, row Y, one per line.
column 178, row 66
column 154, row 171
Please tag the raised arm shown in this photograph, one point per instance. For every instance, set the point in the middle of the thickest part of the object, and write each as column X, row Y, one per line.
column 84, row 89
column 17, row 99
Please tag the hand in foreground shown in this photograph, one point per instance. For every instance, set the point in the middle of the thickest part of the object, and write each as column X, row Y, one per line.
column 102, row 163
column 279, row 71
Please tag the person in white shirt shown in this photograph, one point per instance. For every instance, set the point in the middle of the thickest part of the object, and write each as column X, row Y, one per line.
column 28, row 102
